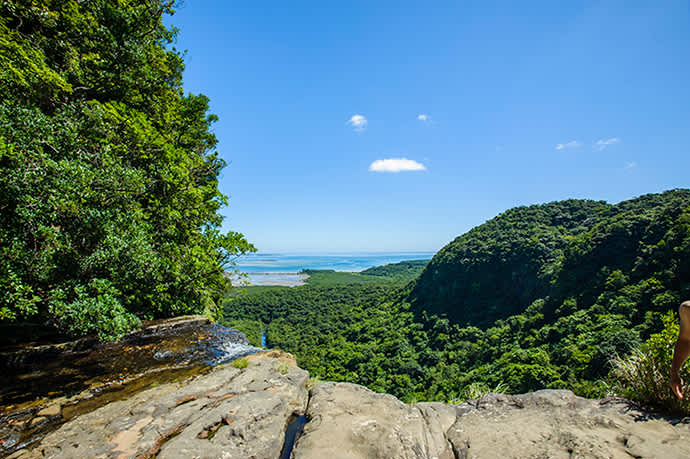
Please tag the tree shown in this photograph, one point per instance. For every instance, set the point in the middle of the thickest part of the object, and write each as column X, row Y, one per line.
column 109, row 193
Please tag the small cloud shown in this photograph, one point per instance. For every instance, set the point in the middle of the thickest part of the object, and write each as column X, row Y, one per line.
column 358, row 122
column 572, row 144
column 424, row 118
column 396, row 165
column 630, row 165
column 601, row 143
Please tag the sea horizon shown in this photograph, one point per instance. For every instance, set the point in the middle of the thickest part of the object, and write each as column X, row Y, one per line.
column 336, row 252
column 296, row 262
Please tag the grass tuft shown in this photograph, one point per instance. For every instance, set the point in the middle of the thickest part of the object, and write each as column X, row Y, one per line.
column 643, row 376
column 240, row 363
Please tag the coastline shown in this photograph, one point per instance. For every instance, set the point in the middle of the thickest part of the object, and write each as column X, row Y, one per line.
column 288, row 270
column 276, row 279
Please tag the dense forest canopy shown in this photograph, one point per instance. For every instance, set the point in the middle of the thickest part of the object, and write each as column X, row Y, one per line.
column 401, row 271
column 109, row 188
column 539, row 297
column 557, row 251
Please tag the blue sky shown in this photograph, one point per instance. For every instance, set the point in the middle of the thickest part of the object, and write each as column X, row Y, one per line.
column 521, row 104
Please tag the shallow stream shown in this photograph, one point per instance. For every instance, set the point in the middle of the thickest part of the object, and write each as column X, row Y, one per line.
column 42, row 387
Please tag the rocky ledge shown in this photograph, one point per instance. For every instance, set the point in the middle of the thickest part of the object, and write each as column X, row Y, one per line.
column 245, row 413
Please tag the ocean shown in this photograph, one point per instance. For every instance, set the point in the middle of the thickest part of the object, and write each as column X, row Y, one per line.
column 294, row 263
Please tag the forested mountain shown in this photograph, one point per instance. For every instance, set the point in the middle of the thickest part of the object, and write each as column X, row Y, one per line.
column 539, row 297
column 109, row 184
column 403, row 270
column 561, row 250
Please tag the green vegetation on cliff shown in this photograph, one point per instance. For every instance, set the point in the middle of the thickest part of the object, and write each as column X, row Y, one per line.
column 497, row 269
column 346, row 332
column 109, row 188
column 562, row 252
column 574, row 284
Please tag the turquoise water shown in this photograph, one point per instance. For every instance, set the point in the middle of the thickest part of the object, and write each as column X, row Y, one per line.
column 293, row 263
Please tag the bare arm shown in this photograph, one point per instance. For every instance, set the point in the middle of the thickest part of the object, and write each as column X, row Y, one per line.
column 682, row 349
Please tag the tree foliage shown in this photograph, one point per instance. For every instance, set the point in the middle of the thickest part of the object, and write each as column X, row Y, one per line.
column 558, row 251
column 109, row 188
column 497, row 269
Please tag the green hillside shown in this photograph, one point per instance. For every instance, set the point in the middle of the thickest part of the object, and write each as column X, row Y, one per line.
column 556, row 251
column 403, row 270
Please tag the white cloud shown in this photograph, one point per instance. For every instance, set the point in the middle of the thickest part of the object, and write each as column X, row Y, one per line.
column 396, row 165
column 358, row 122
column 423, row 117
column 630, row 165
column 601, row 143
column 572, row 144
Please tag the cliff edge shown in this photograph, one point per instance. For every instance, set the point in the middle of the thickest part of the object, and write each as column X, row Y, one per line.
column 245, row 413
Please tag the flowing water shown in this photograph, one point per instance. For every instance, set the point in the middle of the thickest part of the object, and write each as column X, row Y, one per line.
column 41, row 387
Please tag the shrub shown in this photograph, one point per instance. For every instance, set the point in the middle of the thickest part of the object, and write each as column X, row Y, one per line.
column 240, row 363
column 477, row 390
column 643, row 376
column 313, row 381
column 94, row 310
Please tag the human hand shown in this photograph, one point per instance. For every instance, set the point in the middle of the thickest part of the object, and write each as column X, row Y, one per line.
column 677, row 385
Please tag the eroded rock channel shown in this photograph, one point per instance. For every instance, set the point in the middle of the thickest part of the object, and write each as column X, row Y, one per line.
column 42, row 387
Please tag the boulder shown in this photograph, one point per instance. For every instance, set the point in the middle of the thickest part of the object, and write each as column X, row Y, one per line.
column 350, row 421
column 559, row 424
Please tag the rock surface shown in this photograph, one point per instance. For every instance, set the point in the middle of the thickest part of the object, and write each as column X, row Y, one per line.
column 558, row 424
column 229, row 412
column 244, row 413
column 349, row 421
column 41, row 387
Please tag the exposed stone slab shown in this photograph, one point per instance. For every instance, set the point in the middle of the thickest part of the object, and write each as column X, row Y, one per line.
column 350, row 421
column 558, row 424
column 227, row 413
column 243, row 413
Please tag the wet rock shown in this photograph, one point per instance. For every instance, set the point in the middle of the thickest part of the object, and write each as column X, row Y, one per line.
column 60, row 381
column 38, row 421
column 226, row 413
column 50, row 411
